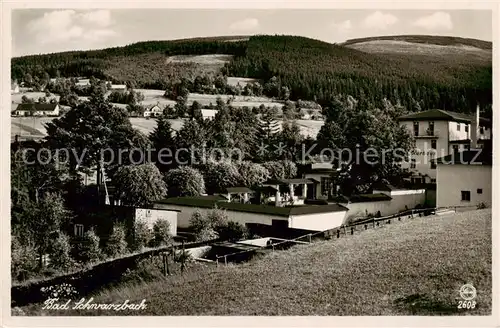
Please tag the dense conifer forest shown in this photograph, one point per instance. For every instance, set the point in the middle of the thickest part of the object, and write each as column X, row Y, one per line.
column 307, row 69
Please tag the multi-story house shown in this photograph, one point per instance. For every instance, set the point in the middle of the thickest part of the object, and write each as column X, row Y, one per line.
column 439, row 133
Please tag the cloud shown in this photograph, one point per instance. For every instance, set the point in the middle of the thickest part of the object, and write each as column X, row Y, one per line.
column 68, row 26
column 247, row 24
column 379, row 20
column 342, row 27
column 437, row 21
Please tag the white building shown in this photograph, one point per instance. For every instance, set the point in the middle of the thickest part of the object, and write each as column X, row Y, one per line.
column 307, row 217
column 37, row 109
column 153, row 111
column 439, row 133
column 464, row 178
column 208, row 113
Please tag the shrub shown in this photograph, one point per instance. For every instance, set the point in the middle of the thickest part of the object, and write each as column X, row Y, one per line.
column 217, row 218
column 202, row 226
column 63, row 291
column 232, row 231
column 116, row 244
column 60, row 254
column 185, row 181
column 24, row 260
column 86, row 249
column 481, row 206
column 161, row 233
column 142, row 236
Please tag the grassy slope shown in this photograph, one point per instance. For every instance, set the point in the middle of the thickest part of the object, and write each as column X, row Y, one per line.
column 428, row 39
column 413, row 267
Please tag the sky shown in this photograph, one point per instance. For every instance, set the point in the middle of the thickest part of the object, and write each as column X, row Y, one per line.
column 36, row 31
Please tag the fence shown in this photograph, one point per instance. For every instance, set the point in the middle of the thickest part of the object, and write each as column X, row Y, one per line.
column 330, row 233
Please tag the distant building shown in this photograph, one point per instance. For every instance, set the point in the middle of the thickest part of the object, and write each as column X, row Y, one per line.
column 118, row 87
column 37, row 109
column 464, row 178
column 14, row 88
column 208, row 113
column 322, row 174
column 153, row 111
column 307, row 217
column 439, row 133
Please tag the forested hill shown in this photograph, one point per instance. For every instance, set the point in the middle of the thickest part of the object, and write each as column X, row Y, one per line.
column 427, row 39
column 309, row 69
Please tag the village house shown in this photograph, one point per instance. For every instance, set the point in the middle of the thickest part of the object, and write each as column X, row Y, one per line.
column 208, row 113
column 464, row 178
column 307, row 217
column 37, row 109
column 153, row 111
column 439, row 133
column 118, row 87
column 322, row 174
column 14, row 88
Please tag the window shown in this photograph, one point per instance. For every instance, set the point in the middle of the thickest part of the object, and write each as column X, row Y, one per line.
column 458, row 126
column 481, row 130
column 433, row 180
column 431, row 128
column 326, row 186
column 415, row 129
column 413, row 163
column 466, row 127
column 466, row 195
column 79, row 231
column 480, row 191
column 434, row 144
column 433, row 165
column 455, row 148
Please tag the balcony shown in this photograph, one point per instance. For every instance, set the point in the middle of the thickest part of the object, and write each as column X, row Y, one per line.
column 428, row 134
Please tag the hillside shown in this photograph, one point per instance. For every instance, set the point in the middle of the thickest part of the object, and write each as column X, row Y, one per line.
column 310, row 69
column 415, row 267
column 426, row 39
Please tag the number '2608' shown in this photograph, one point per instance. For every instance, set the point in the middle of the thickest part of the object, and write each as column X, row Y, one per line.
column 466, row 304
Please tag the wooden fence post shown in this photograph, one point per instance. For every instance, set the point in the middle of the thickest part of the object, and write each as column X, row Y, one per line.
column 374, row 223
column 183, row 257
column 225, row 260
column 166, row 261
column 216, row 260
column 366, row 226
column 338, row 233
column 352, row 230
column 310, row 238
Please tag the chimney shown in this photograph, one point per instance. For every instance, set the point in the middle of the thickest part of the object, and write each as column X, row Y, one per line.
column 474, row 129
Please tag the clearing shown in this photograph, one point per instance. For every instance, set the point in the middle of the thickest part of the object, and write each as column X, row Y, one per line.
column 415, row 267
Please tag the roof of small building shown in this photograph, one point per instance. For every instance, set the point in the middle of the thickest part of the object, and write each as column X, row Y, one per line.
column 205, row 202
column 35, row 107
column 289, row 181
column 237, row 190
column 443, row 115
column 467, row 157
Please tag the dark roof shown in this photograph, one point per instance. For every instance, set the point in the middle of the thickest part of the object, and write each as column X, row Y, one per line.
column 362, row 198
column 467, row 157
column 239, row 190
column 37, row 107
column 442, row 115
column 253, row 208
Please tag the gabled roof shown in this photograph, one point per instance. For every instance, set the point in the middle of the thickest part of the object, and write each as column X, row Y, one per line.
column 37, row 107
column 440, row 115
column 467, row 157
column 238, row 190
column 154, row 106
column 204, row 202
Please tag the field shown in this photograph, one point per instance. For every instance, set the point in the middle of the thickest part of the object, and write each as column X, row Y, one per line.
column 415, row 267
column 34, row 126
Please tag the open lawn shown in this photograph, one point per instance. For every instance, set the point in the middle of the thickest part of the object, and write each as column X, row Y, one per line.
column 415, row 267
column 34, row 126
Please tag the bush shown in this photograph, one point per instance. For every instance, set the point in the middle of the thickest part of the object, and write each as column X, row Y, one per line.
column 232, row 231
column 86, row 249
column 60, row 254
column 116, row 244
column 202, row 227
column 481, row 206
column 24, row 260
column 185, row 181
column 161, row 233
column 217, row 218
column 142, row 236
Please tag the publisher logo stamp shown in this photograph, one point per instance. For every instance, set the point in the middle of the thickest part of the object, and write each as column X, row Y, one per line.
column 468, row 292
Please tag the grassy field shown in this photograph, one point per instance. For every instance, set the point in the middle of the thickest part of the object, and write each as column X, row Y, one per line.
column 415, row 267
column 34, row 126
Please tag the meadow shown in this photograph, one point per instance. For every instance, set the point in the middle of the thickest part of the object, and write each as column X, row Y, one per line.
column 413, row 267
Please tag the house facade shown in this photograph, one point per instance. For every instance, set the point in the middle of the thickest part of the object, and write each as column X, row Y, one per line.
column 439, row 133
column 37, row 109
column 153, row 111
column 464, row 179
